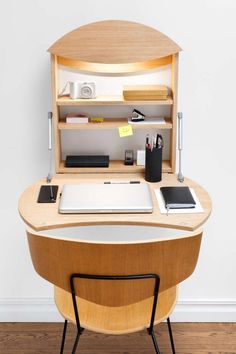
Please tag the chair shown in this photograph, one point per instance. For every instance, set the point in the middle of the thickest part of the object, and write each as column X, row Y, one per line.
column 115, row 288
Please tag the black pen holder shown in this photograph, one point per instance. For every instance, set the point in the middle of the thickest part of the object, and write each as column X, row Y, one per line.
column 153, row 165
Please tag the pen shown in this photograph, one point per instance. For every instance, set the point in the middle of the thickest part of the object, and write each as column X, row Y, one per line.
column 51, row 193
column 167, row 210
column 147, row 142
column 125, row 182
column 159, row 141
column 153, row 143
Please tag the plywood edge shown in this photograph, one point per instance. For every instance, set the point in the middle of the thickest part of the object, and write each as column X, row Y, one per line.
column 115, row 68
column 130, row 45
column 46, row 234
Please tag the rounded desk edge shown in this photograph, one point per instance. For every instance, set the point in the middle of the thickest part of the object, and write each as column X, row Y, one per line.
column 34, row 215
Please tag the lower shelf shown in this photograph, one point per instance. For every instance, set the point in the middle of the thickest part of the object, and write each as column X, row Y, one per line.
column 115, row 166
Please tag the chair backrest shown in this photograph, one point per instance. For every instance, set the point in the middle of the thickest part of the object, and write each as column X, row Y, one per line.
column 55, row 259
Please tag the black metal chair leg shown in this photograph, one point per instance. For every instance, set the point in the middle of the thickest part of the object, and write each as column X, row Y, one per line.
column 155, row 342
column 63, row 337
column 171, row 336
column 76, row 343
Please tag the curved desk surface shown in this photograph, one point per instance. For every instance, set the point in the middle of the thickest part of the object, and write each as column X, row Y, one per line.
column 45, row 216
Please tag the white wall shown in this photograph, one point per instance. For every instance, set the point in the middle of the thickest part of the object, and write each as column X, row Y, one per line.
column 206, row 31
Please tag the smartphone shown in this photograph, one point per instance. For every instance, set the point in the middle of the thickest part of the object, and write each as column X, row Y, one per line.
column 47, row 194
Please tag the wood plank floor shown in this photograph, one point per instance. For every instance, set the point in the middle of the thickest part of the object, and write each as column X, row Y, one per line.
column 190, row 338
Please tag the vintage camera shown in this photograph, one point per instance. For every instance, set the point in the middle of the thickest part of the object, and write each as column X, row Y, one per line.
column 80, row 89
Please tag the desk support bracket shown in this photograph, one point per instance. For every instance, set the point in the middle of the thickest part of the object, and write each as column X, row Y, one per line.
column 49, row 176
column 180, row 145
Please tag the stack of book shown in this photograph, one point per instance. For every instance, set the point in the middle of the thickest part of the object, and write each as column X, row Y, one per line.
column 145, row 92
column 76, row 118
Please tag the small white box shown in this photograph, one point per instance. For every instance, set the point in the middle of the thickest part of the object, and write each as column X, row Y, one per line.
column 140, row 157
column 74, row 120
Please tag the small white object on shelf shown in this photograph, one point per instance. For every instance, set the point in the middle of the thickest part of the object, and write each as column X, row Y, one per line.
column 140, row 157
column 76, row 118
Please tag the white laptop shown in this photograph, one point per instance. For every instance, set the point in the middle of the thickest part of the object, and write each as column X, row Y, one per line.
column 105, row 198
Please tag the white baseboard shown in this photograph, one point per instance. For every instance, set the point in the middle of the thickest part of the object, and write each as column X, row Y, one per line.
column 205, row 311
column 44, row 310
column 29, row 310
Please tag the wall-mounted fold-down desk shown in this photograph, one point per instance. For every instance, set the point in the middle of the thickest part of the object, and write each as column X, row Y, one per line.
column 132, row 243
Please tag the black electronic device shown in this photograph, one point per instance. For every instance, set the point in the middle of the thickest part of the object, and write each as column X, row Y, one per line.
column 129, row 157
column 87, row 161
column 47, row 194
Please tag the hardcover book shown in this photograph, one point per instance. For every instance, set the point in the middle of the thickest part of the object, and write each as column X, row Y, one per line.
column 177, row 197
column 145, row 92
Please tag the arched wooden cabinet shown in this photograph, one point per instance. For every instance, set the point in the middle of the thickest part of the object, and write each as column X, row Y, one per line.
column 114, row 48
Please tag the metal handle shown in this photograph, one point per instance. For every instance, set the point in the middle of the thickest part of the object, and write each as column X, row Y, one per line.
column 49, row 130
column 180, row 130
column 49, row 176
column 180, row 145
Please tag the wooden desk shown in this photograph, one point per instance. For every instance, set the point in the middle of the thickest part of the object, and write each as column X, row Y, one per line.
column 120, row 244
column 46, row 216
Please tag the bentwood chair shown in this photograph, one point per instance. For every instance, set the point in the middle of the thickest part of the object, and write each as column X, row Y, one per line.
column 115, row 288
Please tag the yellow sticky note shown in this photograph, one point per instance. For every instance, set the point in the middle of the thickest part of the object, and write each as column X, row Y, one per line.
column 126, row 130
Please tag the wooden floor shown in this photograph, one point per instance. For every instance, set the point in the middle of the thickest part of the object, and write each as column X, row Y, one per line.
column 190, row 338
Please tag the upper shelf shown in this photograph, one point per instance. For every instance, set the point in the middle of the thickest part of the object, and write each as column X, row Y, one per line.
column 109, row 100
column 114, row 47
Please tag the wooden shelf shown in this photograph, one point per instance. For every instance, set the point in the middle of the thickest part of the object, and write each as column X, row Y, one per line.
column 108, row 101
column 114, row 47
column 113, row 123
column 115, row 166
